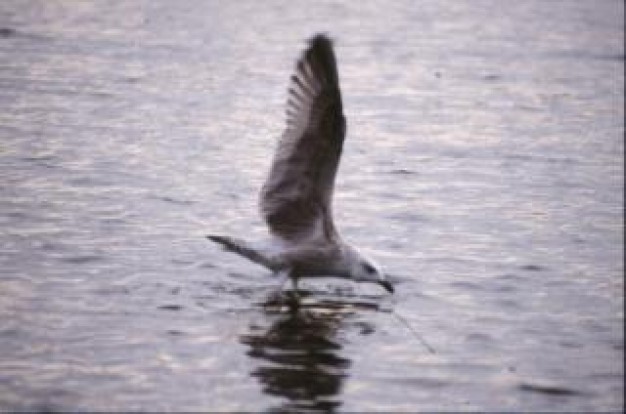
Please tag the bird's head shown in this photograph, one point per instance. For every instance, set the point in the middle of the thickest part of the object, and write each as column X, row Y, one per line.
column 363, row 269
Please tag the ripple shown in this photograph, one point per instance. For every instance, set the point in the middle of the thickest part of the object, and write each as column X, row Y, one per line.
column 82, row 259
column 171, row 307
column 548, row 389
column 467, row 285
column 425, row 382
column 532, row 268
column 403, row 171
column 173, row 200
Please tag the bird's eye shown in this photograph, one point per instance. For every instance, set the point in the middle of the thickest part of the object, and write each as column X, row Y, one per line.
column 369, row 268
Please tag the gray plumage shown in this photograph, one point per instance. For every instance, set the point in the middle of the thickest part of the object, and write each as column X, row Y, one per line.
column 296, row 199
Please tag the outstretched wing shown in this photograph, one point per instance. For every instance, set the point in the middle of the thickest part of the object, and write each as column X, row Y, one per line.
column 296, row 198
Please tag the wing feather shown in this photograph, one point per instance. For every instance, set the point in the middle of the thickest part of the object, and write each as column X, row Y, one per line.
column 296, row 198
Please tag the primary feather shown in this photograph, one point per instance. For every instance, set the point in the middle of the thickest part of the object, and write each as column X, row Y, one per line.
column 296, row 199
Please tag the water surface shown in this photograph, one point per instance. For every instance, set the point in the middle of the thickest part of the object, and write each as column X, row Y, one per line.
column 483, row 168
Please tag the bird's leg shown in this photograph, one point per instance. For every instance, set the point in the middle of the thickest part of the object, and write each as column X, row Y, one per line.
column 293, row 296
column 296, row 292
column 290, row 298
column 283, row 276
column 293, row 301
column 289, row 274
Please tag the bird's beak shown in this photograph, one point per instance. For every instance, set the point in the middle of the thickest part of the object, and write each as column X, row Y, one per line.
column 387, row 285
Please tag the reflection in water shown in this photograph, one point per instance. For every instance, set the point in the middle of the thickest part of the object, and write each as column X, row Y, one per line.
column 303, row 358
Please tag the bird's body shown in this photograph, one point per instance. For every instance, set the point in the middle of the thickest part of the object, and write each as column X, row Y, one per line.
column 296, row 199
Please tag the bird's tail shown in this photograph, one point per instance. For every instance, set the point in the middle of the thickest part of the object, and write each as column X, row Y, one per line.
column 243, row 248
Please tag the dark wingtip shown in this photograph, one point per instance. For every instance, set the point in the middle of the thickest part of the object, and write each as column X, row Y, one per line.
column 322, row 46
column 218, row 239
column 321, row 57
column 387, row 285
column 320, row 39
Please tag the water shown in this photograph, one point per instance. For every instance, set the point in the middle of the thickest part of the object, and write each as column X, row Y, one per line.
column 483, row 168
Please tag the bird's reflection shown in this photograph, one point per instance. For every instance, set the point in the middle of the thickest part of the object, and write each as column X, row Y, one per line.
column 301, row 355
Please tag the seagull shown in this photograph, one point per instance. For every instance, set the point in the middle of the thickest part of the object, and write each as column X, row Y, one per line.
column 296, row 199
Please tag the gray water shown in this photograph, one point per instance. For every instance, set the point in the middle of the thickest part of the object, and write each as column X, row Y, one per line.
column 483, row 168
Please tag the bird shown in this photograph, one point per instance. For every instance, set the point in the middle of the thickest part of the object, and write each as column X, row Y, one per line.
column 296, row 199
